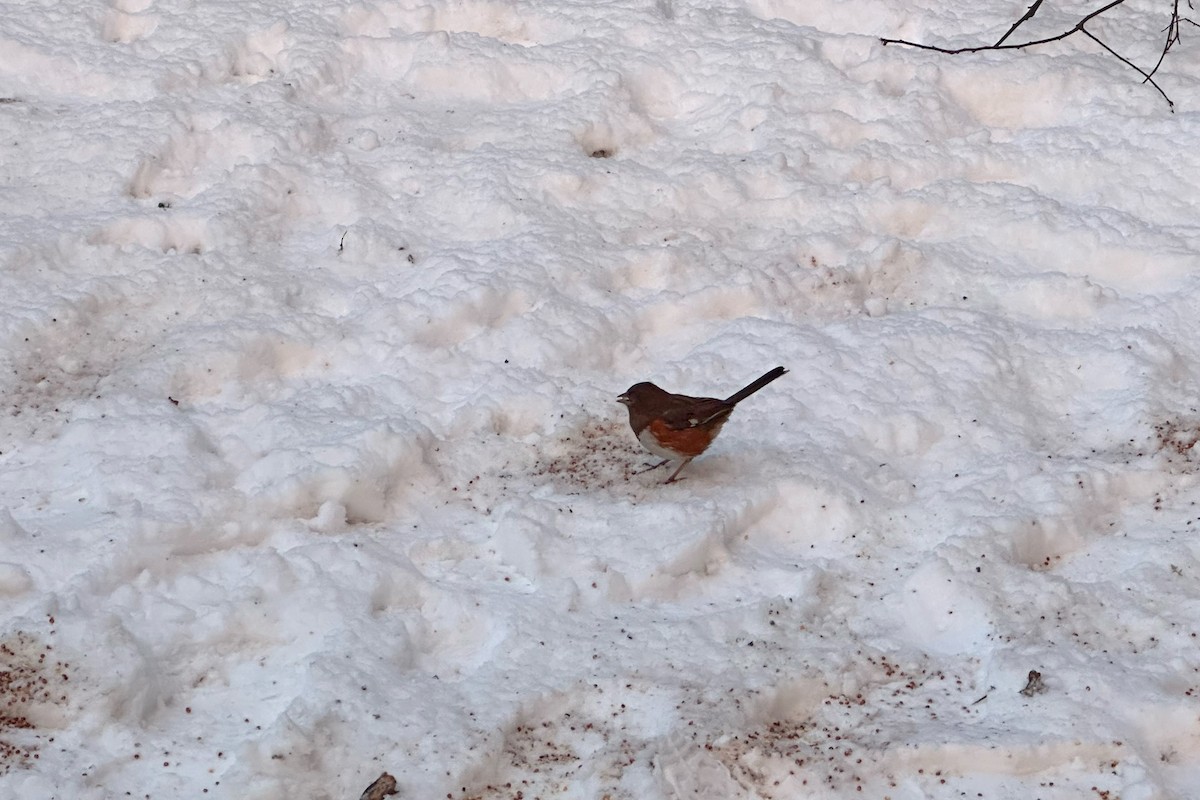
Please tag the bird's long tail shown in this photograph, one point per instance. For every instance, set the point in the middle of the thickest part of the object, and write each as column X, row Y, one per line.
column 742, row 394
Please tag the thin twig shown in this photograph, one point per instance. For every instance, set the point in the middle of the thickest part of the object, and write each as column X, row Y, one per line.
column 1028, row 16
column 998, row 46
column 1172, row 31
column 1097, row 13
column 981, row 47
column 1125, row 60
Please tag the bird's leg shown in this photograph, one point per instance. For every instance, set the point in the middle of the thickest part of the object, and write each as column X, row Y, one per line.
column 653, row 466
column 671, row 479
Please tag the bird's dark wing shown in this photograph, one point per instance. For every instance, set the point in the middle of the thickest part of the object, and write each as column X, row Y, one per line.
column 688, row 412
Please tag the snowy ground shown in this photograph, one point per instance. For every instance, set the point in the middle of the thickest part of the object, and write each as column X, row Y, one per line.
column 313, row 320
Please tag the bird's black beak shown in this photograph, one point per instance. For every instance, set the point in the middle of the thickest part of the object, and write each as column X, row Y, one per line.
column 623, row 399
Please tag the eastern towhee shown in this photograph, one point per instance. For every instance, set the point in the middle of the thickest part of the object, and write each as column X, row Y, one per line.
column 677, row 427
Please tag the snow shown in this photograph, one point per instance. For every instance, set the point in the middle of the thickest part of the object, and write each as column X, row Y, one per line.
column 315, row 314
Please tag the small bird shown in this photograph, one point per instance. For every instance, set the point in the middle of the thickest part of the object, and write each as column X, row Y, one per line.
column 677, row 427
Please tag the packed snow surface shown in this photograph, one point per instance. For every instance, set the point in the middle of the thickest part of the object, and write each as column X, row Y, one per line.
column 314, row 315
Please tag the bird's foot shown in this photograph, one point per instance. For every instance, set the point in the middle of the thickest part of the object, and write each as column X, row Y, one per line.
column 653, row 467
column 675, row 475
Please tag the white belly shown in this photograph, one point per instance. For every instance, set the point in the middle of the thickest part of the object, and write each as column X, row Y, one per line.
column 648, row 442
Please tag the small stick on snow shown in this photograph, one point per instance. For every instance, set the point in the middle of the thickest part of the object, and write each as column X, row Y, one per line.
column 985, row 696
column 383, row 786
column 1033, row 684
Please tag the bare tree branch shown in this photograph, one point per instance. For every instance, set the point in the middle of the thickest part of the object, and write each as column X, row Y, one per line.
column 1028, row 16
column 1172, row 31
column 1125, row 60
column 1172, row 38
